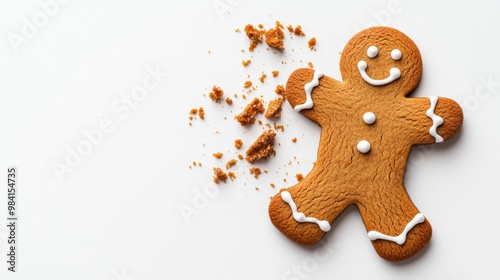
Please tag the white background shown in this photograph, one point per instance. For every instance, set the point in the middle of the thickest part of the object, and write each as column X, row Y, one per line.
column 117, row 214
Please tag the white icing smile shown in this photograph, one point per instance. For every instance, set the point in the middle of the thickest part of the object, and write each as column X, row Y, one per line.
column 394, row 73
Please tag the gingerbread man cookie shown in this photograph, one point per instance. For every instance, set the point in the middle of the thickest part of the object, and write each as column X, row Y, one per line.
column 368, row 126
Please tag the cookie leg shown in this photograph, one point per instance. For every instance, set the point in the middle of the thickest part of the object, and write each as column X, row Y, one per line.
column 305, row 211
column 395, row 227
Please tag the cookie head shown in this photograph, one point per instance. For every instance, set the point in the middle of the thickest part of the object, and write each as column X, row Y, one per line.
column 384, row 58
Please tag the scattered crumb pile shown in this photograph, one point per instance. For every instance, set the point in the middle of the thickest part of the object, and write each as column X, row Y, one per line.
column 264, row 146
column 274, row 37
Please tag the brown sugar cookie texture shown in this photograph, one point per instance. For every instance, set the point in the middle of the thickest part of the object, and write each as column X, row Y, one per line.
column 369, row 125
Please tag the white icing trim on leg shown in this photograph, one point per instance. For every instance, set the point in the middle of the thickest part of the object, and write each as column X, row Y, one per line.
column 301, row 217
column 400, row 239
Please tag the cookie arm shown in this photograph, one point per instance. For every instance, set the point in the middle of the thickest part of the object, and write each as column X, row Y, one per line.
column 434, row 119
column 310, row 92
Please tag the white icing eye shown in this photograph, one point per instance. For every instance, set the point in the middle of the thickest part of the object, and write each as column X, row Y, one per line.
column 372, row 52
column 396, row 54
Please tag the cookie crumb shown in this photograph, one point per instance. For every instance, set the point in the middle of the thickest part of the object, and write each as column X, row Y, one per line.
column 245, row 63
column 262, row 77
column 201, row 113
column 310, row 64
column 274, row 108
column 262, row 148
column 216, row 94
column 275, row 73
column 254, row 35
column 311, row 43
column 255, row 171
column 238, row 143
column 299, row 177
column 219, row 175
column 193, row 111
column 279, row 127
column 280, row 89
column 230, row 163
column 231, row 175
column 248, row 114
column 294, row 140
column 256, row 188
column 237, row 30
column 272, row 185
column 278, row 24
column 298, row 31
column 229, row 101
column 290, row 28
column 217, row 155
column 274, row 37
column 247, row 84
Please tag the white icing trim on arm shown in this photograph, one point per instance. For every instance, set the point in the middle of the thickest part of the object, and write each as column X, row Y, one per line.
column 394, row 74
column 400, row 239
column 308, row 88
column 301, row 217
column 436, row 120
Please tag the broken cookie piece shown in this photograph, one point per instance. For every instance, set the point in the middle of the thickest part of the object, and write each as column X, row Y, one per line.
column 262, row 148
column 255, row 171
column 274, row 108
column 219, row 175
column 280, row 89
column 311, row 43
column 254, row 35
column 216, row 94
column 248, row 114
column 274, row 38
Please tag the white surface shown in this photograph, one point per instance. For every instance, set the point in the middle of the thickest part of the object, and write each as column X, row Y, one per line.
column 116, row 215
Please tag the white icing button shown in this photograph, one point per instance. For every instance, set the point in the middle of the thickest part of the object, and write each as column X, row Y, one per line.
column 369, row 118
column 364, row 146
column 372, row 52
column 396, row 54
